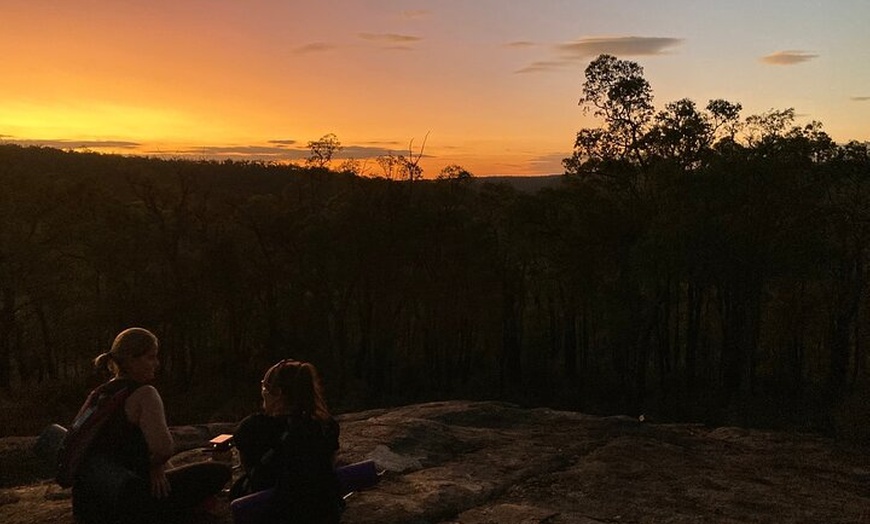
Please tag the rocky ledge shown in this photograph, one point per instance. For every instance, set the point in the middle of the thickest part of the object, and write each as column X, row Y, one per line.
column 489, row 462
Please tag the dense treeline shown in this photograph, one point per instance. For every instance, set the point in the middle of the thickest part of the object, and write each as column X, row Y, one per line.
column 692, row 264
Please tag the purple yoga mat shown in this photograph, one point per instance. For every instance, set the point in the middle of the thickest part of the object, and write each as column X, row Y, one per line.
column 353, row 477
column 250, row 508
column 357, row 476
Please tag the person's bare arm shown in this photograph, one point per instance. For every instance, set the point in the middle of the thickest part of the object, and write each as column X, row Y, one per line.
column 145, row 409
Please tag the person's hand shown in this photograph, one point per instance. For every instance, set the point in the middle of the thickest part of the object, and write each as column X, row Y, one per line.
column 159, row 483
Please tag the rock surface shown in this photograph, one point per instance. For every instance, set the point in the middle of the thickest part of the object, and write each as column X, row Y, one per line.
column 489, row 462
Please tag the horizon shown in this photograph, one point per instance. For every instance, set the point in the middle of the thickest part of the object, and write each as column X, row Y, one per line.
column 491, row 86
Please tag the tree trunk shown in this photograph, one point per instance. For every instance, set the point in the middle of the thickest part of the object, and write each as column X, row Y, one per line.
column 7, row 332
column 49, row 357
column 569, row 340
column 694, row 300
column 511, row 366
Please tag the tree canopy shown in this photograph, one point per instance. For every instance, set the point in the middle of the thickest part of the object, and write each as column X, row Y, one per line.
column 692, row 265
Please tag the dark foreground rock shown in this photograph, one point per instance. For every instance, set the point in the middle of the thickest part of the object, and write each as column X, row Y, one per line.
column 487, row 462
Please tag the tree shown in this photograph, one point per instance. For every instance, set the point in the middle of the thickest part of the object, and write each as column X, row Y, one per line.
column 354, row 166
column 681, row 133
column 403, row 167
column 389, row 164
column 616, row 91
column 725, row 118
column 323, row 150
column 454, row 172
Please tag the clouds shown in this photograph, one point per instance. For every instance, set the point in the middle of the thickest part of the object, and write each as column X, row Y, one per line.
column 789, row 57
column 314, row 47
column 364, row 152
column 520, row 44
column 860, row 99
column 543, row 66
column 567, row 54
column 279, row 150
column 113, row 145
column 548, row 162
column 620, row 46
column 283, row 150
column 389, row 38
column 391, row 41
column 257, row 152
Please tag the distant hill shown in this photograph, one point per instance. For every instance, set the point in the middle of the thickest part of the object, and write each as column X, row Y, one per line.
column 527, row 183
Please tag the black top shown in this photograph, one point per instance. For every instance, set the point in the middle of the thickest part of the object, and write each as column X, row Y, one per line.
column 121, row 440
column 294, row 455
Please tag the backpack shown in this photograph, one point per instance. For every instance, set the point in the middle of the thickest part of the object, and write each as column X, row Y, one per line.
column 101, row 405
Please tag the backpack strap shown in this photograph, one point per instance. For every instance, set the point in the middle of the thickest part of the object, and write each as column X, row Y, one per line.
column 101, row 405
column 275, row 452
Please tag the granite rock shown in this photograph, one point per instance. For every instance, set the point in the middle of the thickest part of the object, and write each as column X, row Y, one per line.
column 490, row 462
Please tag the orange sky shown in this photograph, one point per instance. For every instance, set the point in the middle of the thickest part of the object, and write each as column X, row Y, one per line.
column 494, row 83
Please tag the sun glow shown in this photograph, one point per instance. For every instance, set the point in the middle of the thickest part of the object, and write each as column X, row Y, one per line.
column 96, row 121
column 496, row 95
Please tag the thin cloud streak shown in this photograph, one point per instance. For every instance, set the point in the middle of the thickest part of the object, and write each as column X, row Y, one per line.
column 619, row 46
column 788, row 57
column 241, row 150
column 520, row 44
column 860, row 99
column 73, row 144
column 571, row 52
column 314, row 47
column 550, row 160
column 363, row 152
column 276, row 153
column 383, row 142
column 544, row 66
column 389, row 38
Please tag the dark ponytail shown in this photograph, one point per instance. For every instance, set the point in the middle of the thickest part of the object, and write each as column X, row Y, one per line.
column 103, row 361
column 130, row 343
column 300, row 387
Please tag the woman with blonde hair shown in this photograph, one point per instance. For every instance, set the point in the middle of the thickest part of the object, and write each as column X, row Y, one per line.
column 125, row 476
column 291, row 447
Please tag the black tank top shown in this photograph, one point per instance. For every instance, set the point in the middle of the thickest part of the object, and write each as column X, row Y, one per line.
column 121, row 440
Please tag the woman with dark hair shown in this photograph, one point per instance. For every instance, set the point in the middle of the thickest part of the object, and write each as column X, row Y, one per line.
column 291, row 447
column 124, row 476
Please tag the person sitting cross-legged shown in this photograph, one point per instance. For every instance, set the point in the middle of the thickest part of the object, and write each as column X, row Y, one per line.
column 290, row 448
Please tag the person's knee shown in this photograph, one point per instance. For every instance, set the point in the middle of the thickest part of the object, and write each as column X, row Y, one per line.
column 217, row 473
column 200, row 479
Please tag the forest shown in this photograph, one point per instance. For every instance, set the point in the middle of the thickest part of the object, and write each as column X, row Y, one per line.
column 692, row 264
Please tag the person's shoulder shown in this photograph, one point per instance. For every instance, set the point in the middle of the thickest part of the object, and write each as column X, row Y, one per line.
column 145, row 395
column 255, row 418
column 256, row 428
column 256, row 421
column 144, row 390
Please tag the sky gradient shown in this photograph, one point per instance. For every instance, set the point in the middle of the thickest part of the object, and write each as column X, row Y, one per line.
column 493, row 83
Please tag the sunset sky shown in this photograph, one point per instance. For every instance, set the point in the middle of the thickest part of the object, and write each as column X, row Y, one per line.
column 494, row 83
